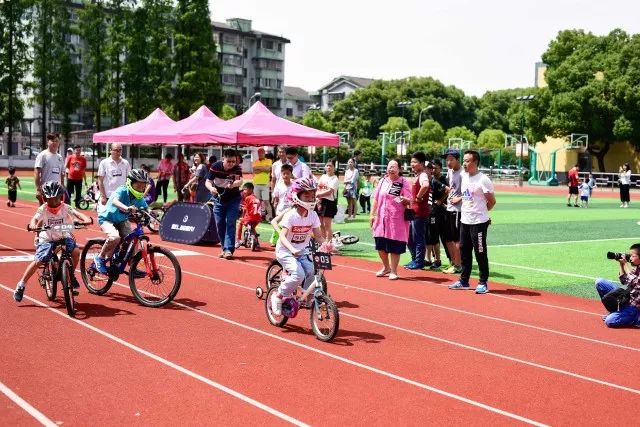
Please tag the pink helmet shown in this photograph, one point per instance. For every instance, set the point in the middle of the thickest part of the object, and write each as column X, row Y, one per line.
column 301, row 185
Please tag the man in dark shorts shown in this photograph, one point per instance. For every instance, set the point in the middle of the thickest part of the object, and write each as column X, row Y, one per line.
column 435, row 229
column 454, row 204
column 573, row 186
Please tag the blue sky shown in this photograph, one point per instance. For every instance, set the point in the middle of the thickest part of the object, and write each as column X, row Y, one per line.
column 475, row 45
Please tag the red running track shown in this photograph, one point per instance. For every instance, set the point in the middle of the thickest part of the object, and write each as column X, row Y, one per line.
column 408, row 352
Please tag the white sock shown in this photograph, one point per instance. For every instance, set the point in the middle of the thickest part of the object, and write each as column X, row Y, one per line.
column 20, row 284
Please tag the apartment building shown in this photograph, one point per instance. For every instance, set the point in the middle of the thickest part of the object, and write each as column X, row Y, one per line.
column 296, row 102
column 251, row 62
column 337, row 90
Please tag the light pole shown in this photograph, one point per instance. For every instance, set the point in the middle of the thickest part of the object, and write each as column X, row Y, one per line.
column 316, row 107
column 31, row 120
column 255, row 95
column 524, row 99
column 427, row 108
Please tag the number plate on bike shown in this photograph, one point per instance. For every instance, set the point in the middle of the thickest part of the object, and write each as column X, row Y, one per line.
column 322, row 260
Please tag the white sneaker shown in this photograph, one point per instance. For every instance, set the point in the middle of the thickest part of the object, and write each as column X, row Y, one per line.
column 276, row 304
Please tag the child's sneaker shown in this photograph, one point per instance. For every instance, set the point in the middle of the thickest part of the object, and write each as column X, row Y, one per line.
column 436, row 265
column 453, row 269
column 100, row 266
column 482, row 288
column 276, row 304
column 18, row 294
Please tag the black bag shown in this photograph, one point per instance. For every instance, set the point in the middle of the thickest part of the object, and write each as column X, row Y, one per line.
column 615, row 299
column 409, row 214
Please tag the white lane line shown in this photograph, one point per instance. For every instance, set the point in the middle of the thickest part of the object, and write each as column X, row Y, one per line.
column 443, row 340
column 39, row 416
column 168, row 363
column 513, row 245
column 542, row 270
column 285, row 340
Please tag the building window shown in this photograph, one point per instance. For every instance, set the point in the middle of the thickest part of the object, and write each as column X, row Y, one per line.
column 279, row 84
column 279, row 47
column 245, row 53
column 244, row 72
column 267, row 44
column 289, row 112
column 230, row 38
column 234, row 60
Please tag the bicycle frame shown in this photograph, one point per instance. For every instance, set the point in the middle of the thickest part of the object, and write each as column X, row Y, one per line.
column 131, row 240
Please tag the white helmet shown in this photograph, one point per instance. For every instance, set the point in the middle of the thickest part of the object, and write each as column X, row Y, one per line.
column 301, row 185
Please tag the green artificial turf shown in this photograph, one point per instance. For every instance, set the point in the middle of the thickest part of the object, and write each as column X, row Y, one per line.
column 534, row 241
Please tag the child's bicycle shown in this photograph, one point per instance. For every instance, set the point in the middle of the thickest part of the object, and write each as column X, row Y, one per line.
column 162, row 277
column 345, row 239
column 156, row 212
column 324, row 316
column 88, row 198
column 59, row 267
column 250, row 238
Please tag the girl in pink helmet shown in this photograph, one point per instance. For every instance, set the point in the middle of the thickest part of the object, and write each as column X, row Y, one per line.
column 295, row 227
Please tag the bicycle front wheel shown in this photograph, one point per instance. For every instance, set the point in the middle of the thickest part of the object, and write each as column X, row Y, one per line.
column 273, row 318
column 67, row 271
column 154, row 221
column 325, row 319
column 83, row 204
column 349, row 239
column 162, row 285
column 50, row 280
column 95, row 282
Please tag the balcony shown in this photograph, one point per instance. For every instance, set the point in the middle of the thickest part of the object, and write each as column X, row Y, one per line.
column 269, row 54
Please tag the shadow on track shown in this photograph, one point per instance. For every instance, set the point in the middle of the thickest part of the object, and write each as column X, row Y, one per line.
column 344, row 337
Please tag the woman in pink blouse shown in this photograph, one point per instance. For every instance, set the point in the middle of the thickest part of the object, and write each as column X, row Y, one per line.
column 165, row 170
column 390, row 230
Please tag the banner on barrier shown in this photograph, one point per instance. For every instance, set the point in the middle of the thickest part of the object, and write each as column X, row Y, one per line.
column 187, row 223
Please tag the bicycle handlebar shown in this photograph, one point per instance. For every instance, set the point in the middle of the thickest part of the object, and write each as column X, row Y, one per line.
column 60, row 227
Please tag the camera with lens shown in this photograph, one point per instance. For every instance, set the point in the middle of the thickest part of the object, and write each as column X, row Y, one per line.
column 618, row 256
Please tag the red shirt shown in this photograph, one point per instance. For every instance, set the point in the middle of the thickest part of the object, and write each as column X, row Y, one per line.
column 573, row 177
column 76, row 166
column 251, row 206
column 421, row 209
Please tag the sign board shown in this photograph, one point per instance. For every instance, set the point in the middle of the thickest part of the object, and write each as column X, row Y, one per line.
column 188, row 223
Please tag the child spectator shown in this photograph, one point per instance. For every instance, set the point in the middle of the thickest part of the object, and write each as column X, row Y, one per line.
column 282, row 196
column 252, row 212
column 592, row 184
column 585, row 192
column 13, row 183
column 365, row 193
column 150, row 195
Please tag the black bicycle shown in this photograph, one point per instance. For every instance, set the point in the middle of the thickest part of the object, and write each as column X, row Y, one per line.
column 59, row 267
column 162, row 275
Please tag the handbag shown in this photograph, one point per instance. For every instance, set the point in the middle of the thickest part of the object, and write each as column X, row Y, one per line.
column 616, row 298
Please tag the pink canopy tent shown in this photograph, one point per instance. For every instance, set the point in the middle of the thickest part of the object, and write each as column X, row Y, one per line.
column 195, row 129
column 135, row 133
column 259, row 126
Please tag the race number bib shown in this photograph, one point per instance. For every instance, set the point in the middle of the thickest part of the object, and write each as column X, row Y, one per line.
column 55, row 170
column 322, row 261
column 395, row 189
column 299, row 233
column 116, row 172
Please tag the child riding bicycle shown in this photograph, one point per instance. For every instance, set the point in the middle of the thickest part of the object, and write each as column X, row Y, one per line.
column 251, row 217
column 53, row 212
column 295, row 227
column 114, row 219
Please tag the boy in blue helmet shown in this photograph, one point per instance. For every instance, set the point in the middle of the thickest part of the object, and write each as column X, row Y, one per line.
column 114, row 219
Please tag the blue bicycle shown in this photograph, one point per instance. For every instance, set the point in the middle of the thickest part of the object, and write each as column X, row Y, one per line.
column 162, row 273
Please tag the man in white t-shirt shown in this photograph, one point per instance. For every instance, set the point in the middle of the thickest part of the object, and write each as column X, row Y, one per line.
column 478, row 199
column 49, row 165
column 112, row 173
column 300, row 169
column 277, row 165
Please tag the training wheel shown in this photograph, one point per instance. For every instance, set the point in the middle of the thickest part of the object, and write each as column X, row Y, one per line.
column 259, row 292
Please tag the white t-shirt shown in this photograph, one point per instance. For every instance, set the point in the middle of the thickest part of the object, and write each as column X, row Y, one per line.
column 114, row 173
column 454, row 181
column 299, row 229
column 585, row 189
column 64, row 216
column 474, row 202
column 327, row 181
column 281, row 191
column 275, row 170
column 52, row 166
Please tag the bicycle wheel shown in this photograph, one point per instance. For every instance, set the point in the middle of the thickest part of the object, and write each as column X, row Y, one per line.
column 83, row 204
column 96, row 283
column 49, row 280
column 349, row 239
column 273, row 319
column 274, row 274
column 67, row 271
column 163, row 284
column 324, row 318
column 154, row 221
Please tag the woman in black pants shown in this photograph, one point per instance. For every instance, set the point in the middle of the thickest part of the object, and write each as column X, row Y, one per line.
column 625, row 182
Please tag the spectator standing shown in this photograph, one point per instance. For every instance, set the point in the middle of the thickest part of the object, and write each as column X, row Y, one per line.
column 350, row 182
column 261, row 169
column 196, row 184
column 13, row 183
column 420, row 206
column 585, row 190
column 282, row 196
column 76, row 165
column 454, row 205
column 165, row 169
column 223, row 181
column 477, row 200
column 327, row 194
column 49, row 165
column 437, row 202
column 572, row 175
column 275, row 167
column 366, row 189
column 181, row 176
column 112, row 173
column 300, row 169
column 390, row 229
column 625, row 182
column 592, row 184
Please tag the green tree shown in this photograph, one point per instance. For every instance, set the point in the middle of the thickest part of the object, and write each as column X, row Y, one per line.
column 594, row 89
column 315, row 119
column 395, row 124
column 136, row 80
column 228, row 112
column 431, row 131
column 115, row 49
column 459, row 132
column 491, row 138
column 197, row 70
column 93, row 30
column 14, row 62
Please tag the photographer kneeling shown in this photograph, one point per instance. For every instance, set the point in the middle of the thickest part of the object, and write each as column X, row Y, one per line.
column 624, row 308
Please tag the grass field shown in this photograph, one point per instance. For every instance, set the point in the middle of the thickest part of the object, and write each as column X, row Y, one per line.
column 535, row 241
